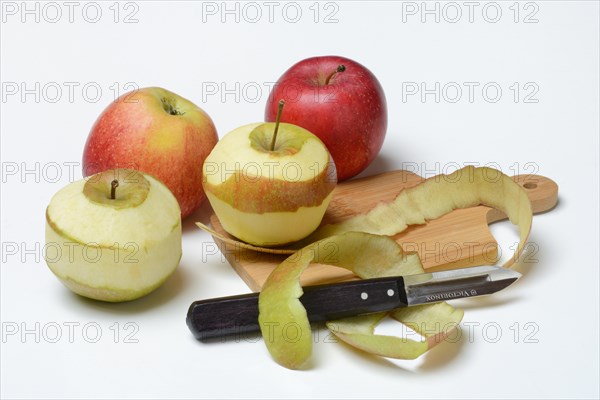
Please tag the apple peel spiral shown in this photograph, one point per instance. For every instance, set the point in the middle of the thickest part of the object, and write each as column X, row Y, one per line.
column 363, row 245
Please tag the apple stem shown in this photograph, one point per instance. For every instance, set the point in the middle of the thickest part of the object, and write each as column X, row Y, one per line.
column 279, row 111
column 340, row 68
column 169, row 107
column 113, row 188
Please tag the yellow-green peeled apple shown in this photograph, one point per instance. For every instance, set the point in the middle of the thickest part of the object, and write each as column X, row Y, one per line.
column 268, row 191
column 114, row 236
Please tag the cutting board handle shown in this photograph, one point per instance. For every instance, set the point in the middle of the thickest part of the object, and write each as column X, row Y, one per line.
column 542, row 192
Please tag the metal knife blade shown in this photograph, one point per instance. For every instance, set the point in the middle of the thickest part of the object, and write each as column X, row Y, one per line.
column 456, row 284
column 234, row 315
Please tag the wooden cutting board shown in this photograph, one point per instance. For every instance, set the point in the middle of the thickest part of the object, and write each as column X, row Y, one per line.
column 459, row 239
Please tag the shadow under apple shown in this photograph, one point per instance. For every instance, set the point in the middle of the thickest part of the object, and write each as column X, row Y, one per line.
column 174, row 285
column 382, row 163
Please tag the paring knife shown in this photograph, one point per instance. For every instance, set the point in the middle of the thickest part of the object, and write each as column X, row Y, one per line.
column 234, row 315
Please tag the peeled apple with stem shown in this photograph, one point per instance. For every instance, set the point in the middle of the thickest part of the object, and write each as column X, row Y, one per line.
column 269, row 183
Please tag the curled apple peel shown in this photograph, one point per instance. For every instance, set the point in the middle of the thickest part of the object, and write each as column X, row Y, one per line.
column 435, row 197
column 367, row 256
column 279, row 306
column 435, row 322
column 363, row 246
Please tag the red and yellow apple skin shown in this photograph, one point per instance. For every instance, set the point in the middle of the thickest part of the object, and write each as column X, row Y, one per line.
column 347, row 110
column 157, row 132
column 269, row 197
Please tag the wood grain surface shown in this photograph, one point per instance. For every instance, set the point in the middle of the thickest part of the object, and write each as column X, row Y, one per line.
column 459, row 239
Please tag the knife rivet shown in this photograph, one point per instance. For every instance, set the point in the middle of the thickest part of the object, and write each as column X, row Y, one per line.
column 364, row 295
column 390, row 292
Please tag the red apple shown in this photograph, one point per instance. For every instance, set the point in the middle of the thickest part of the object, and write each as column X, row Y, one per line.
column 341, row 102
column 157, row 132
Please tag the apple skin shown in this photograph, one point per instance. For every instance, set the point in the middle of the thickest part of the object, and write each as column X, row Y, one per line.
column 138, row 131
column 349, row 114
column 269, row 197
column 113, row 249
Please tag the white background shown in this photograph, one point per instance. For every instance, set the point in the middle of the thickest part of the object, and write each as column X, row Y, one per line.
column 553, row 309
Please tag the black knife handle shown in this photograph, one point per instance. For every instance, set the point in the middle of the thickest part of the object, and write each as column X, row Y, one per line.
column 235, row 315
column 224, row 316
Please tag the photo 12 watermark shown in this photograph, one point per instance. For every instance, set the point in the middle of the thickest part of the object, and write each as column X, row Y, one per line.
column 69, row 332
column 490, row 332
column 69, row 12
column 470, row 92
column 453, row 12
column 52, row 92
column 259, row 92
column 328, row 253
column 55, row 172
column 470, row 252
column 441, row 170
column 271, row 171
column 71, row 252
column 472, row 331
column 289, row 332
column 253, row 12
column 433, row 253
